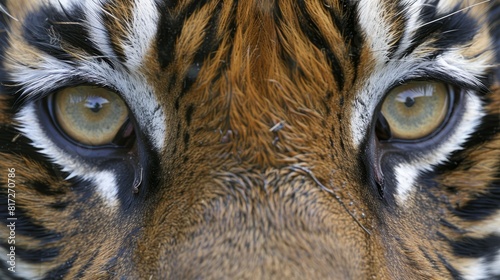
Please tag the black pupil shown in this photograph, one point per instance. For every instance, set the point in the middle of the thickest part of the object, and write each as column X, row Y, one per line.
column 97, row 107
column 409, row 102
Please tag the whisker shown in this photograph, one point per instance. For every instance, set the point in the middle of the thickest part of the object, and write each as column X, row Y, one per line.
column 310, row 173
column 456, row 12
column 3, row 10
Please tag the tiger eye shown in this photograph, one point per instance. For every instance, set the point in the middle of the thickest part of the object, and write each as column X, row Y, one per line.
column 415, row 110
column 90, row 115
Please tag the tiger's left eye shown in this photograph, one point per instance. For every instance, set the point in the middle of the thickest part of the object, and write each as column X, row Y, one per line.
column 91, row 115
column 413, row 111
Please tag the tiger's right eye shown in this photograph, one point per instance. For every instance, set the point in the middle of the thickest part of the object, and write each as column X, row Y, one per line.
column 91, row 115
column 414, row 111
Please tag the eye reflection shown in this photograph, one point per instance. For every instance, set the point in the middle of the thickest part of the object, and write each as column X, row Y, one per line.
column 95, row 103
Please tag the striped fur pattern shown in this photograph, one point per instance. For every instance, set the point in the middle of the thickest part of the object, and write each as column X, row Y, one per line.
column 255, row 153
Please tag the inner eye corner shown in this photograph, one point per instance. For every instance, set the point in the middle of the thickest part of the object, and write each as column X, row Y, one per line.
column 90, row 116
column 415, row 111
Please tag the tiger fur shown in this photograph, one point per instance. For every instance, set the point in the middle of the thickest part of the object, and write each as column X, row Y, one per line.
column 255, row 146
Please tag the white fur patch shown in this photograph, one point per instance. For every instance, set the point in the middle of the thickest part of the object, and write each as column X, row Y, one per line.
column 474, row 269
column 97, row 31
column 412, row 11
column 376, row 29
column 494, row 266
column 22, row 269
column 481, row 268
column 142, row 32
column 63, row 5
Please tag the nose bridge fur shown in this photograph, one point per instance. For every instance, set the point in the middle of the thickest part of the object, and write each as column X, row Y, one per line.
column 259, row 218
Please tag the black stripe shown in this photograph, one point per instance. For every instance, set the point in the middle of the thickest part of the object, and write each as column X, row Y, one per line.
column 210, row 44
column 186, row 140
column 34, row 256
column 486, row 131
column 449, row 30
column 350, row 30
column 231, row 29
column 45, row 189
column 311, row 30
column 469, row 247
column 110, row 267
column 172, row 84
column 494, row 21
column 189, row 114
column 427, row 14
column 208, row 47
column 347, row 24
column 42, row 25
column 483, row 206
column 403, row 20
column 61, row 271
column 25, row 225
column 431, row 260
column 169, row 29
column 451, row 269
column 285, row 56
column 22, row 147
column 84, row 268
column 59, row 205
column 451, row 226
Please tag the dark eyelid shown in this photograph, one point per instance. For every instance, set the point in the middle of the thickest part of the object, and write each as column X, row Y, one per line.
column 447, row 78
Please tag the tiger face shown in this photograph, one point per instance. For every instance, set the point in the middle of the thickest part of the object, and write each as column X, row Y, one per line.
column 285, row 139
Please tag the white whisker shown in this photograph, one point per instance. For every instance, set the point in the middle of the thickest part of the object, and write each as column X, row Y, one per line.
column 451, row 14
column 3, row 10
